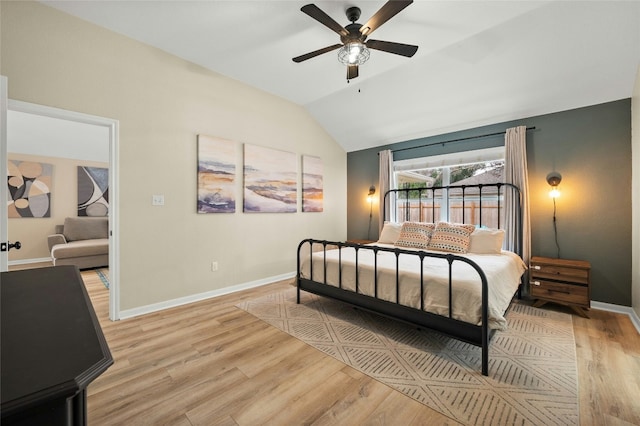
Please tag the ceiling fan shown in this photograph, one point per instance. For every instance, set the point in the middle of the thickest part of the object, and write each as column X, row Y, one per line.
column 354, row 49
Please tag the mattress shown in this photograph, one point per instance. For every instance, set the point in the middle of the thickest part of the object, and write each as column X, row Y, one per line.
column 503, row 272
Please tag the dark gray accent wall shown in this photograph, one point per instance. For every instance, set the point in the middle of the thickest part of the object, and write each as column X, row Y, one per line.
column 590, row 147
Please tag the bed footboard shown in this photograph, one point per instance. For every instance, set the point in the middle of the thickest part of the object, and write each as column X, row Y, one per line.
column 478, row 335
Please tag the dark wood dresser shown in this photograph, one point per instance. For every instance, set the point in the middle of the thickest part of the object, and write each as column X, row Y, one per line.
column 562, row 281
column 52, row 347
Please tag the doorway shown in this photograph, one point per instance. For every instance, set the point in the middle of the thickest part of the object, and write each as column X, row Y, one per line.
column 106, row 130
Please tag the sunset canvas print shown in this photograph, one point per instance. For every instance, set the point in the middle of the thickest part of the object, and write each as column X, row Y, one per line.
column 312, row 193
column 270, row 180
column 216, row 175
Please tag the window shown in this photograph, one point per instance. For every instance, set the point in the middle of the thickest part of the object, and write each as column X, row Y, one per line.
column 466, row 168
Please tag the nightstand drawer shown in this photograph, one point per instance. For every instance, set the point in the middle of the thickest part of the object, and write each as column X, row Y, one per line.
column 560, row 273
column 554, row 291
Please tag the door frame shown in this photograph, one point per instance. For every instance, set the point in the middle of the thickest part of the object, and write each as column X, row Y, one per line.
column 114, row 222
column 4, row 191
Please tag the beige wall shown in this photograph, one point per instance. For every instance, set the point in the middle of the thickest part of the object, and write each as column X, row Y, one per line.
column 32, row 232
column 635, row 194
column 162, row 104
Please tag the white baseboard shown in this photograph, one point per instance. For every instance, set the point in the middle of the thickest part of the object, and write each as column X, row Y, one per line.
column 28, row 261
column 142, row 310
column 633, row 316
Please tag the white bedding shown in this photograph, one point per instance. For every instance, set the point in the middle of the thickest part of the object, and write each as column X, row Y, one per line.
column 503, row 272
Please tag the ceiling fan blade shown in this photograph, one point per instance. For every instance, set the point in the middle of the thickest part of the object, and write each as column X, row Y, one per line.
column 352, row 72
column 316, row 53
column 386, row 12
column 407, row 50
column 316, row 13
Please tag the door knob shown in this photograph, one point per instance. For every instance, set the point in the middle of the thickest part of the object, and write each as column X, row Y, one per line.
column 8, row 246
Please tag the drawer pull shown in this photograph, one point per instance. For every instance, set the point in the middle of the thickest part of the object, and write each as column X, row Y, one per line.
column 535, row 283
column 537, row 267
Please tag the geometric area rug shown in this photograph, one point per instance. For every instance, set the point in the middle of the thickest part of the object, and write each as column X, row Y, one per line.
column 532, row 365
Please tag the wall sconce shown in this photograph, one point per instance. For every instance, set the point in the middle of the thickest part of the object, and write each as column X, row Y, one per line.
column 554, row 179
column 372, row 191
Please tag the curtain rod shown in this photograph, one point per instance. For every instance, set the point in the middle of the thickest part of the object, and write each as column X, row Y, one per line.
column 456, row 140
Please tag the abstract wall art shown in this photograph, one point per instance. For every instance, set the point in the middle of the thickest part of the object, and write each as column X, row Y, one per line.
column 312, row 192
column 216, row 175
column 93, row 191
column 270, row 180
column 29, row 189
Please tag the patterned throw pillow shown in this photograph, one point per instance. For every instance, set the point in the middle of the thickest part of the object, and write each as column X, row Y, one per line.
column 415, row 235
column 453, row 237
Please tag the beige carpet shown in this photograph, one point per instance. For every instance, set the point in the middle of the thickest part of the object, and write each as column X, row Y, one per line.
column 532, row 366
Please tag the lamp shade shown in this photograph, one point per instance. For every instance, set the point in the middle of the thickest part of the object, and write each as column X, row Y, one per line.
column 354, row 53
column 554, row 179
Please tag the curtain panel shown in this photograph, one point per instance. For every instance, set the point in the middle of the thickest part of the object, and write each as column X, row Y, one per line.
column 385, row 183
column 515, row 140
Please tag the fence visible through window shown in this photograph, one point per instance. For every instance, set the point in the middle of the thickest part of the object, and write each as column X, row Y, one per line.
column 433, row 205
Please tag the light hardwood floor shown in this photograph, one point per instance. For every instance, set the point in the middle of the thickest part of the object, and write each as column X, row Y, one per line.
column 210, row 363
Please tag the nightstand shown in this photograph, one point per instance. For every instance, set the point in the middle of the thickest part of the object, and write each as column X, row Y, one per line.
column 562, row 281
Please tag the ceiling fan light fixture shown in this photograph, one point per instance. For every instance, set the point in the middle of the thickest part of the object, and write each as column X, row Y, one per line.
column 354, row 53
column 352, row 49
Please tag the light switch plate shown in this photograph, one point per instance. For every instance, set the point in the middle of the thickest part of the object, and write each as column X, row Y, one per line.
column 157, row 200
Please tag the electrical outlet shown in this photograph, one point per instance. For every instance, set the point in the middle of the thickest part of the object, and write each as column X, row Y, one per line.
column 214, row 266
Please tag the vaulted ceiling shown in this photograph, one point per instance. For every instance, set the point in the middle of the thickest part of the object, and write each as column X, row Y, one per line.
column 478, row 62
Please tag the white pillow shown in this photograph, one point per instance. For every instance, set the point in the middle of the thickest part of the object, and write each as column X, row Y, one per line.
column 390, row 233
column 486, row 241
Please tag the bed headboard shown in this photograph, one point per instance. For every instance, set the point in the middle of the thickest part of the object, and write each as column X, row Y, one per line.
column 493, row 205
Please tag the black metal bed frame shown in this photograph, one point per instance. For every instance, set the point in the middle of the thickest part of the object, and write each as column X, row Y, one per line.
column 478, row 335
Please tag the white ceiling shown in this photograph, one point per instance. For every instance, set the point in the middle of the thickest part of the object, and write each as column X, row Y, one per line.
column 479, row 62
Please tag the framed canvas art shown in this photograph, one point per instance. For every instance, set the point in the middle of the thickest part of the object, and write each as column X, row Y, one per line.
column 29, row 189
column 312, row 192
column 216, row 175
column 93, row 191
column 270, row 180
